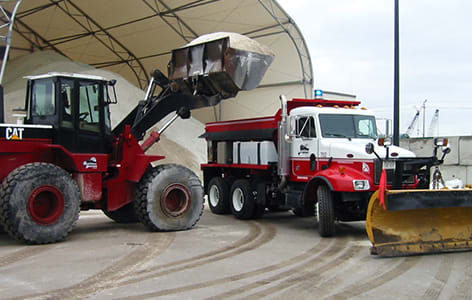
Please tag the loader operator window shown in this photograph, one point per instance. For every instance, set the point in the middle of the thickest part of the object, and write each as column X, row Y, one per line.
column 306, row 127
column 348, row 126
column 66, row 102
column 43, row 98
column 89, row 109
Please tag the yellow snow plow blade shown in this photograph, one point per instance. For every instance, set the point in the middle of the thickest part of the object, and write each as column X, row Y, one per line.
column 420, row 221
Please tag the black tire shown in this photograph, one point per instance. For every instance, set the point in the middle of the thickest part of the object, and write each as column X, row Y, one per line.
column 325, row 211
column 218, row 196
column 258, row 211
column 39, row 203
column 242, row 202
column 169, row 198
column 124, row 215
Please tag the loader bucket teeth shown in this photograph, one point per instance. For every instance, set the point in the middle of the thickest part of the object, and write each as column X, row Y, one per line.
column 420, row 226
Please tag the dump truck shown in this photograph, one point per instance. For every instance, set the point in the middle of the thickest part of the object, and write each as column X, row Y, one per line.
column 63, row 155
column 317, row 157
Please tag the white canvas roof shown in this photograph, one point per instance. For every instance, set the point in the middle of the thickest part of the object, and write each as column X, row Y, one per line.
column 132, row 38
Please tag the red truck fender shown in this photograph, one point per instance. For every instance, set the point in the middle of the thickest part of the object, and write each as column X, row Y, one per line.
column 337, row 179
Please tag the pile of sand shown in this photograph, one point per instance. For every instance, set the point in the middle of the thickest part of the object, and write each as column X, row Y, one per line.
column 180, row 143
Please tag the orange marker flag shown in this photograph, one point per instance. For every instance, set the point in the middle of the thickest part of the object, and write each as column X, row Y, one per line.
column 383, row 188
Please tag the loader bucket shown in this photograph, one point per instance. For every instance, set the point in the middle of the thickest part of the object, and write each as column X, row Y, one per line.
column 420, row 221
column 221, row 63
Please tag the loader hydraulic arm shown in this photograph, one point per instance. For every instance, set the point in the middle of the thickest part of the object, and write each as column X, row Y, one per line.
column 171, row 99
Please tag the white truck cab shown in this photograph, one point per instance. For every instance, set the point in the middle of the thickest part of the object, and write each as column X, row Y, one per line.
column 337, row 132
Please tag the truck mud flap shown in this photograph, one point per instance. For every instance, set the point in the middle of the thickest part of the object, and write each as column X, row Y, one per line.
column 420, row 221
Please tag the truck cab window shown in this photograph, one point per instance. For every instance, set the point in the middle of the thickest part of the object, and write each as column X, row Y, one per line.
column 306, row 127
column 366, row 127
column 89, row 112
column 348, row 126
column 43, row 98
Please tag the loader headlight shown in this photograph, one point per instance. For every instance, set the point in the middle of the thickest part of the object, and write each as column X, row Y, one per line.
column 361, row 185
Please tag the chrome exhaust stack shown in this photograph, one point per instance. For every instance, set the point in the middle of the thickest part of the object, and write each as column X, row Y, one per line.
column 283, row 144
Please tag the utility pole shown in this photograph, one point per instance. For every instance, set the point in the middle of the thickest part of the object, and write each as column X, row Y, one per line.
column 396, row 83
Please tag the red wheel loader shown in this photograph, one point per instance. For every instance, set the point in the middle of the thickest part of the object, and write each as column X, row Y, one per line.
column 65, row 157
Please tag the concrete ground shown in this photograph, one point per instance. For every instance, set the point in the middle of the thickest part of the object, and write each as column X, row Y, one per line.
column 277, row 257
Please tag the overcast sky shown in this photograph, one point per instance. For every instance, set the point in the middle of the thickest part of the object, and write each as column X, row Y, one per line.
column 351, row 46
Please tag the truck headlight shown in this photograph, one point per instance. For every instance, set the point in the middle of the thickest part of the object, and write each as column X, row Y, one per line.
column 441, row 142
column 361, row 185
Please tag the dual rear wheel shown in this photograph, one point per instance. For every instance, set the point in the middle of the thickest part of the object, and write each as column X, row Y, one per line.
column 240, row 200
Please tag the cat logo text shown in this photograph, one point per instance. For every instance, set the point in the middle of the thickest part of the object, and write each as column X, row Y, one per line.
column 14, row 134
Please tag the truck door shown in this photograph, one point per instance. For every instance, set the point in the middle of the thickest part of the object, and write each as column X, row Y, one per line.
column 304, row 148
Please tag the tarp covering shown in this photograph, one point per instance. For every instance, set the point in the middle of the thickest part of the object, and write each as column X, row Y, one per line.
column 132, row 38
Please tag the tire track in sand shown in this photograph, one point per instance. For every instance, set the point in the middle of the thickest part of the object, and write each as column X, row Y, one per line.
column 113, row 277
column 314, row 251
column 440, row 279
column 255, row 230
column 23, row 253
column 329, row 260
column 107, row 278
column 464, row 288
column 266, row 233
column 363, row 286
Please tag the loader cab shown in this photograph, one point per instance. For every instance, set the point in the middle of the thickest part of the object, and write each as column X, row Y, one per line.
column 77, row 106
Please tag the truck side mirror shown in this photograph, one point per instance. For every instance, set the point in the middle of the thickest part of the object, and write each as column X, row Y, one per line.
column 388, row 128
column 369, row 148
column 292, row 126
column 384, row 127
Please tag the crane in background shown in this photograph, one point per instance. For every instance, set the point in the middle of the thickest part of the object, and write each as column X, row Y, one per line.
column 434, row 125
column 415, row 120
column 433, row 129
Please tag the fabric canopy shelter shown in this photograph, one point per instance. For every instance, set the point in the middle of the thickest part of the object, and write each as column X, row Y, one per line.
column 132, row 38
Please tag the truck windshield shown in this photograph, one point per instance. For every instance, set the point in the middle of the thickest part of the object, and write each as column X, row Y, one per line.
column 348, row 126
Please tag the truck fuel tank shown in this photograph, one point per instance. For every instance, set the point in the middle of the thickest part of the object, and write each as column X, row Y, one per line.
column 221, row 63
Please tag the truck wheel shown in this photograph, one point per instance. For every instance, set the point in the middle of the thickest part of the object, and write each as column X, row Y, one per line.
column 259, row 211
column 243, row 205
column 39, row 203
column 169, row 197
column 124, row 214
column 325, row 211
column 218, row 198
